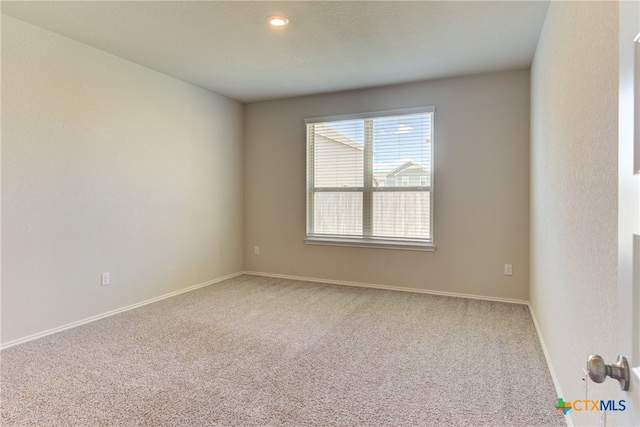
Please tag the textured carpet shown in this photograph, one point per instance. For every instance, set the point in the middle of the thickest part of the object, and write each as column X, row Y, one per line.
column 261, row 351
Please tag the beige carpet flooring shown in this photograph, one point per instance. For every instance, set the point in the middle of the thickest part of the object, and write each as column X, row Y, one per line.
column 260, row 351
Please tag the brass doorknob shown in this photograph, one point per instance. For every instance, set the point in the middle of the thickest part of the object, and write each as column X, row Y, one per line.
column 598, row 370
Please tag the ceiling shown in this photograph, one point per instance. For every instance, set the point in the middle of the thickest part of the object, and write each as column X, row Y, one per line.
column 228, row 47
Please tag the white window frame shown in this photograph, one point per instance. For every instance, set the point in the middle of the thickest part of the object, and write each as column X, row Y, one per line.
column 405, row 244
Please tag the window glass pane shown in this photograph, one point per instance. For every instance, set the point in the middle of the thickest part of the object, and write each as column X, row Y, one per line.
column 402, row 150
column 401, row 214
column 338, row 213
column 366, row 154
column 338, row 153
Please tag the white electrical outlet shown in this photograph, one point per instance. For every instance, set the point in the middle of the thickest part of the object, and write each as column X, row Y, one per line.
column 508, row 270
column 256, row 250
column 106, row 279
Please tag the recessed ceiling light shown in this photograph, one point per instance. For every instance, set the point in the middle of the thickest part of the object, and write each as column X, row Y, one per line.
column 277, row 21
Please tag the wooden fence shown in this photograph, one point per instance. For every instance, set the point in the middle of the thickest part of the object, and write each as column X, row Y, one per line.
column 395, row 214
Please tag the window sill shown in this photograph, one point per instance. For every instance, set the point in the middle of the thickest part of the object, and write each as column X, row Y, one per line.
column 370, row 243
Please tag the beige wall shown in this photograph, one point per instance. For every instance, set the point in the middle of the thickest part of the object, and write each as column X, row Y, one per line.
column 481, row 193
column 108, row 166
column 574, row 191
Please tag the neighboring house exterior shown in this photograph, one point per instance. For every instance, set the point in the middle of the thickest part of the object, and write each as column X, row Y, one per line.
column 329, row 145
column 380, row 179
column 410, row 174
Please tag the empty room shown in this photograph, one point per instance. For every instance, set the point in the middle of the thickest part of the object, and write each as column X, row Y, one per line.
column 297, row 213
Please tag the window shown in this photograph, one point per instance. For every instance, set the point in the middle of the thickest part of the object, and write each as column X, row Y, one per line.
column 370, row 179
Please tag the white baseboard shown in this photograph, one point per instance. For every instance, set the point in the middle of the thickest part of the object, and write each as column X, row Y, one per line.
column 547, row 357
column 390, row 288
column 113, row 312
